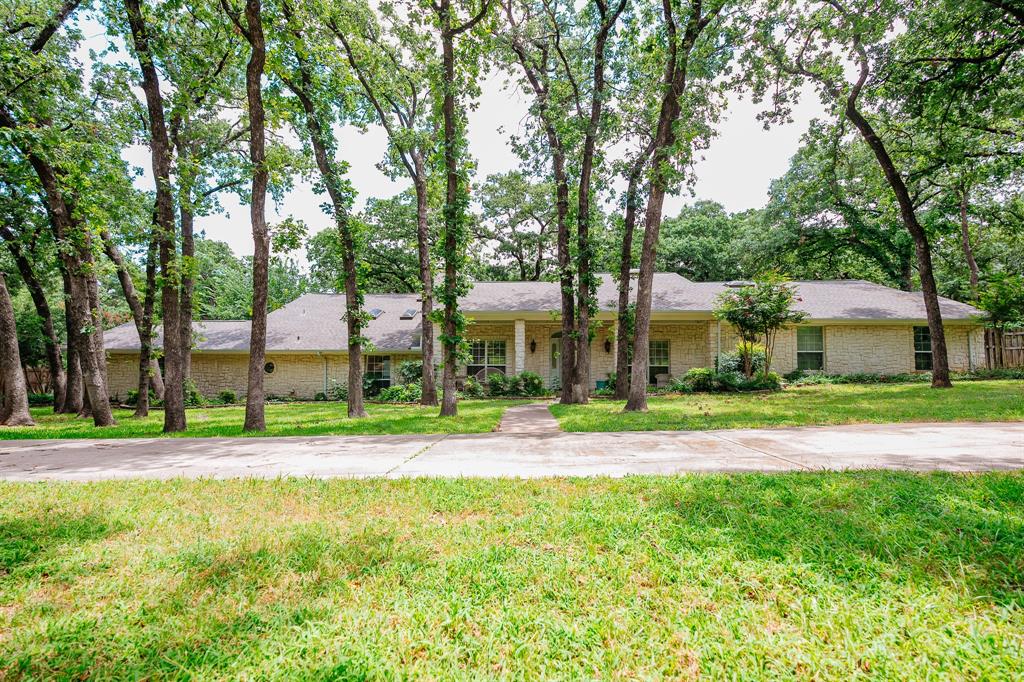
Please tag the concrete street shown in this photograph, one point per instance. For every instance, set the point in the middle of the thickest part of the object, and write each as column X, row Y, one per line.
column 528, row 452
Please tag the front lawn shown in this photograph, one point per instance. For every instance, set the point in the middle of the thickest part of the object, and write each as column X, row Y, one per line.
column 805, row 406
column 290, row 419
column 796, row 576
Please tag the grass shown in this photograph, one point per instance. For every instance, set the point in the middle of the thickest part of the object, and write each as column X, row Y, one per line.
column 290, row 419
column 805, row 406
column 876, row 575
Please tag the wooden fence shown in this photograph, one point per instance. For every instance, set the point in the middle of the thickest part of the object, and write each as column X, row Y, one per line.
column 1004, row 349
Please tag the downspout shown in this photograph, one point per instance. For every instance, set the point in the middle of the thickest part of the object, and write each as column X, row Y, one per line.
column 324, row 358
column 718, row 342
column 970, row 355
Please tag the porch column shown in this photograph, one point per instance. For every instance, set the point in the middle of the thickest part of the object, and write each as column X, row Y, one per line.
column 519, row 345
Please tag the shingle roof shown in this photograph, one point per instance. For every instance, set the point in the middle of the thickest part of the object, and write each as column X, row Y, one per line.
column 667, row 294
column 820, row 299
column 848, row 300
column 314, row 322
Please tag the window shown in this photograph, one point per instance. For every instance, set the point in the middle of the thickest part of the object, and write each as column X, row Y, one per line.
column 922, row 348
column 810, row 348
column 486, row 357
column 408, row 314
column 659, row 360
column 378, row 373
column 268, row 368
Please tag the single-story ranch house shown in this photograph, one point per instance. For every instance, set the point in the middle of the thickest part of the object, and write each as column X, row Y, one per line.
column 852, row 326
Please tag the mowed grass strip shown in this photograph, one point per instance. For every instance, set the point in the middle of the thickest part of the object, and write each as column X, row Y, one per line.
column 798, row 576
column 288, row 419
column 805, row 406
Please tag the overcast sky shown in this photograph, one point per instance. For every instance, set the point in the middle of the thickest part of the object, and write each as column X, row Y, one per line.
column 735, row 171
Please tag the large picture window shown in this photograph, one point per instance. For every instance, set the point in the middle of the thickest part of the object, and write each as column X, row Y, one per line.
column 922, row 348
column 486, row 357
column 378, row 372
column 810, row 348
column 659, row 360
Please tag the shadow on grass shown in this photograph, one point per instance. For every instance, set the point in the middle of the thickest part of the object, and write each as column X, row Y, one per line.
column 28, row 540
column 864, row 529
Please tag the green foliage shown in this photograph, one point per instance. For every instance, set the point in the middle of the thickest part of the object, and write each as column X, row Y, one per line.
column 473, row 389
column 698, row 379
column 526, row 384
column 409, row 371
column 40, row 399
column 403, row 393
column 734, row 361
column 818, row 379
column 338, row 391
column 758, row 311
column 707, row 380
column 1002, row 299
column 193, row 398
column 227, row 397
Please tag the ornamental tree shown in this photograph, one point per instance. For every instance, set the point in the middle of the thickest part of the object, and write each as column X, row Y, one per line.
column 759, row 311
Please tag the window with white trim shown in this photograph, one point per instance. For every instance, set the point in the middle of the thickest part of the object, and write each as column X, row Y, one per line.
column 658, row 359
column 922, row 348
column 486, row 357
column 378, row 370
column 810, row 348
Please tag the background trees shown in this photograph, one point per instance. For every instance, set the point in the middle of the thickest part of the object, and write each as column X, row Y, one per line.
column 913, row 179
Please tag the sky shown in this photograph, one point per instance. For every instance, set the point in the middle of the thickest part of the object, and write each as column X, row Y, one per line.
column 735, row 170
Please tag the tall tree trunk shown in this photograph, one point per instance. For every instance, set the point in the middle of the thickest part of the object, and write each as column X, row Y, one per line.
column 146, row 361
column 585, row 285
column 940, row 361
column 50, row 339
column 429, row 383
column 188, row 253
column 622, row 335
column 322, row 143
column 674, row 84
column 151, row 370
column 92, row 355
column 449, row 399
column 965, row 242
column 160, row 152
column 254, row 399
column 14, row 406
column 73, row 384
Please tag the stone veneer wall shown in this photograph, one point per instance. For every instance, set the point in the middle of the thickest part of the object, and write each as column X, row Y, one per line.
column 881, row 349
column 873, row 349
column 295, row 375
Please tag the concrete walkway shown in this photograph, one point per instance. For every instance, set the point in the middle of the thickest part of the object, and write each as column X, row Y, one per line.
column 918, row 447
column 534, row 419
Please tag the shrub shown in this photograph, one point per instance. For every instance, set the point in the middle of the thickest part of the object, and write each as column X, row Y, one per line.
column 320, row 396
column 533, row 384
column 40, row 399
column 402, row 393
column 227, row 397
column 409, row 371
column 699, row 379
column 500, row 384
column 472, row 389
column 765, row 381
column 733, row 361
column 338, row 391
column 193, row 398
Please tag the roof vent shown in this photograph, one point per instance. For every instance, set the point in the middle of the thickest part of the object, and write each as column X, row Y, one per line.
column 376, row 312
column 739, row 284
column 408, row 314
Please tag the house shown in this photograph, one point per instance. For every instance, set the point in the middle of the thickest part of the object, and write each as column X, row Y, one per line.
column 852, row 326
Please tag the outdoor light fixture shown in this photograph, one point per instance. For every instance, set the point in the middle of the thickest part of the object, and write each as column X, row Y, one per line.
column 607, row 345
column 533, row 345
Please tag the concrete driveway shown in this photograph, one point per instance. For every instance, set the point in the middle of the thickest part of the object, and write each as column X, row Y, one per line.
column 917, row 447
